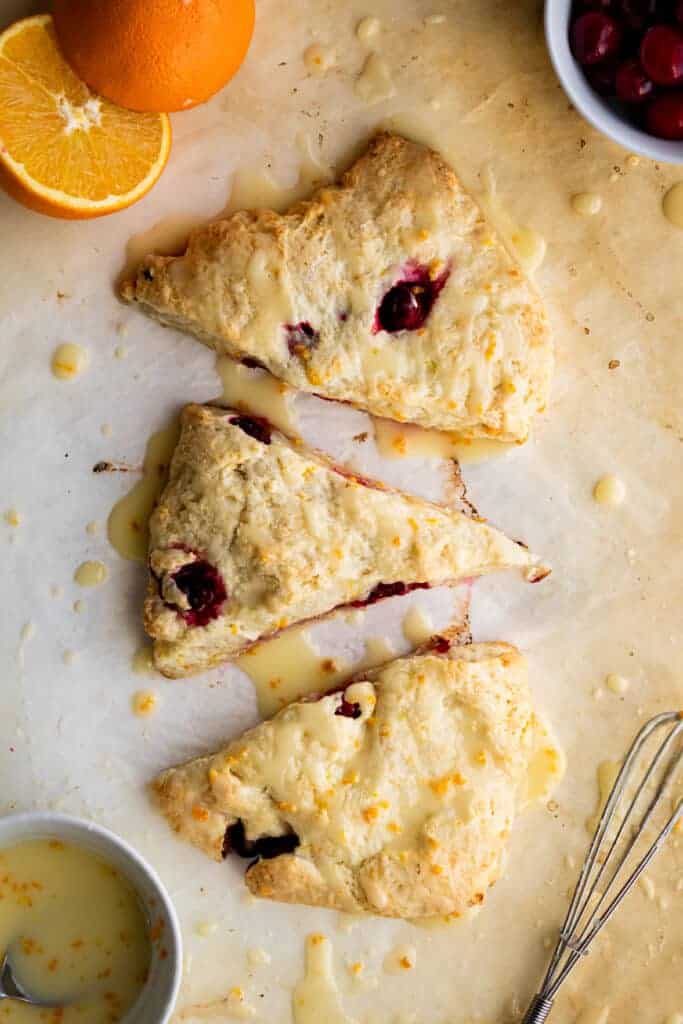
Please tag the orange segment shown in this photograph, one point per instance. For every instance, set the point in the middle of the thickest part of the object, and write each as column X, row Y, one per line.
column 64, row 150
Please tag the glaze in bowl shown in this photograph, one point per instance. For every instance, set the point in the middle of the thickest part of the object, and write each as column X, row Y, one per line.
column 155, row 1003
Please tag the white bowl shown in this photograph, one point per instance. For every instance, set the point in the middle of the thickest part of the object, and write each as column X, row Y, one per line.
column 156, row 1001
column 594, row 107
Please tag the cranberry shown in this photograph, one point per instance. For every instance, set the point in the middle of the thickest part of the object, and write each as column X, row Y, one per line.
column 235, row 839
column 202, row 585
column 595, row 37
column 603, row 77
column 632, row 84
column 441, row 645
column 401, row 309
column 349, row 709
column 254, row 426
column 638, row 14
column 408, row 303
column 665, row 116
column 301, row 338
column 383, row 590
column 661, row 54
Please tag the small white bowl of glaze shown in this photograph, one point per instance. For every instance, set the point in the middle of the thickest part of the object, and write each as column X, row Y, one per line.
column 595, row 108
column 157, row 998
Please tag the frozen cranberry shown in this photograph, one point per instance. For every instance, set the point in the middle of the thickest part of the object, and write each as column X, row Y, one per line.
column 235, row 840
column 661, row 54
column 595, row 37
column 602, row 77
column 638, row 14
column 256, row 427
column 632, row 84
column 301, row 338
column 665, row 116
column 408, row 303
column 202, row 585
column 349, row 709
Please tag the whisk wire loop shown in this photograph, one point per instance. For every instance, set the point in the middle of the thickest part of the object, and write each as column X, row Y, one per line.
column 591, row 906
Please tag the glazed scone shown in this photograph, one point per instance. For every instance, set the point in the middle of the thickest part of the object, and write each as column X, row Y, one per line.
column 396, row 796
column 390, row 291
column 254, row 533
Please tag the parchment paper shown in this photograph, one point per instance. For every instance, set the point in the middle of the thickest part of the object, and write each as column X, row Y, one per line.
column 479, row 86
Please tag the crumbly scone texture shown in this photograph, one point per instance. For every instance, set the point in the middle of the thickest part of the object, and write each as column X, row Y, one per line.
column 403, row 811
column 291, row 537
column 480, row 365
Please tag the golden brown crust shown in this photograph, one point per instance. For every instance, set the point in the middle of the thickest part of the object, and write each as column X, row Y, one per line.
column 291, row 537
column 481, row 363
column 401, row 791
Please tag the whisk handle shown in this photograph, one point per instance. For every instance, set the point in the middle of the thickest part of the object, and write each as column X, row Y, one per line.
column 538, row 1011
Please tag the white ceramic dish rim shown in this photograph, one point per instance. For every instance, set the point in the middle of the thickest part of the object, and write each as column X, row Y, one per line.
column 156, row 1001
column 592, row 106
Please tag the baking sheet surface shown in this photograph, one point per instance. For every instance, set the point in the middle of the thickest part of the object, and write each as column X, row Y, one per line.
column 477, row 84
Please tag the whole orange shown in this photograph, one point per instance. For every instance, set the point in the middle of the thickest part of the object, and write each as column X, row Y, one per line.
column 154, row 55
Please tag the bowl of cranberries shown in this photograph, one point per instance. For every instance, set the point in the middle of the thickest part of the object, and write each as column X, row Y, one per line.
column 621, row 64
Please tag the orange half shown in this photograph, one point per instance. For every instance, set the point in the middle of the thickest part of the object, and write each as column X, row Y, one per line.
column 64, row 150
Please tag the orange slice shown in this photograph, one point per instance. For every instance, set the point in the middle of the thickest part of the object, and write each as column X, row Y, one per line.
column 64, row 150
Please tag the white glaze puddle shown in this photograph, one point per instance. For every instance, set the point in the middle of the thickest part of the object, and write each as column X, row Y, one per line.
column 586, row 204
column 257, row 392
column 526, row 244
column 253, row 188
column 68, row 361
column 91, row 574
column 287, row 668
column 144, row 702
column 128, row 523
column 403, row 440
column 316, row 997
column 318, row 58
column 609, row 490
column 375, row 82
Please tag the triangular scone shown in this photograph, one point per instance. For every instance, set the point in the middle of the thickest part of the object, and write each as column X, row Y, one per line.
column 390, row 292
column 395, row 796
column 255, row 532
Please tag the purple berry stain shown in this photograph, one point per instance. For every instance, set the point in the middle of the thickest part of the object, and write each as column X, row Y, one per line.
column 202, row 585
column 235, row 841
column 408, row 303
column 348, row 709
column 301, row 339
column 383, row 590
column 255, row 427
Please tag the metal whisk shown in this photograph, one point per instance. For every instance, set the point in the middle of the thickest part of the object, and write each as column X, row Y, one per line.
column 604, row 878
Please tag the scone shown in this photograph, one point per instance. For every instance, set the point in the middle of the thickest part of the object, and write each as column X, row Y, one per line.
column 390, row 291
column 254, row 532
column 395, row 796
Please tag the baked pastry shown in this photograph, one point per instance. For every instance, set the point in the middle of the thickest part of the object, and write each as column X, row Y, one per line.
column 254, row 532
column 390, row 292
column 395, row 796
